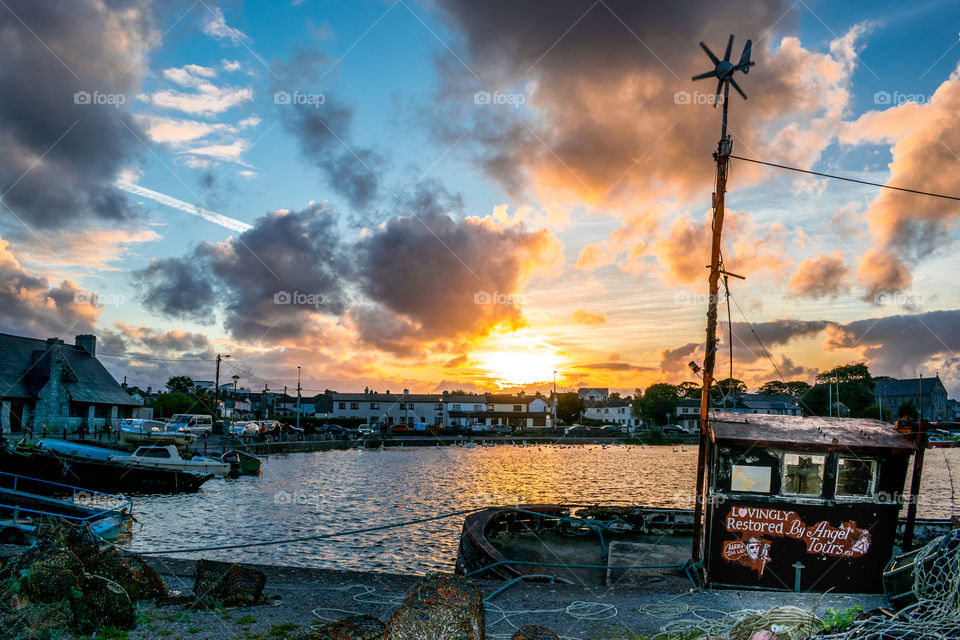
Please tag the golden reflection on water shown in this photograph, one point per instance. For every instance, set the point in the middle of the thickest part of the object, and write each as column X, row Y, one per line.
column 324, row 492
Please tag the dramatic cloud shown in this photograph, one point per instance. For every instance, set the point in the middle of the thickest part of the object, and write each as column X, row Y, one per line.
column 901, row 345
column 30, row 306
column 155, row 341
column 71, row 68
column 440, row 278
column 322, row 125
column 881, row 273
column 820, row 277
column 269, row 280
column 612, row 366
column 582, row 316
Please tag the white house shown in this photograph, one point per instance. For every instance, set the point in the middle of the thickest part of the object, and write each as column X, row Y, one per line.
column 612, row 412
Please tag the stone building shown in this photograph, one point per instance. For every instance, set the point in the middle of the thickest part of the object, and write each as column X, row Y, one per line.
column 46, row 383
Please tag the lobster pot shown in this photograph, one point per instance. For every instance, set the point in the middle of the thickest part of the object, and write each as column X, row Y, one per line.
column 355, row 628
column 228, row 583
column 440, row 606
column 533, row 632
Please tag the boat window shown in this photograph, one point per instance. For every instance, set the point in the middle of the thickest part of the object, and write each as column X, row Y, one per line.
column 155, row 453
column 856, row 477
column 803, row 474
column 753, row 478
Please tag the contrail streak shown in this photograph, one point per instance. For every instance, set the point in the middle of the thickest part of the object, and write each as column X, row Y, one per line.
column 211, row 216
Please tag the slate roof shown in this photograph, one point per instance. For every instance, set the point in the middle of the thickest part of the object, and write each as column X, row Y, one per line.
column 501, row 398
column 25, row 368
column 908, row 387
column 374, row 396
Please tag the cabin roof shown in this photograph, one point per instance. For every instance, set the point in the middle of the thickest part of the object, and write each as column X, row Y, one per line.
column 809, row 433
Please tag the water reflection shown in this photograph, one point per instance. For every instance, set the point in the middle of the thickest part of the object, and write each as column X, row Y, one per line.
column 323, row 492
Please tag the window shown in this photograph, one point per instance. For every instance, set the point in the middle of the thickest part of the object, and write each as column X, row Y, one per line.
column 752, row 478
column 478, row 407
column 403, row 405
column 518, row 407
column 438, row 406
column 456, row 407
column 354, row 405
column 489, row 407
column 856, row 477
column 803, row 474
column 341, row 405
column 374, row 405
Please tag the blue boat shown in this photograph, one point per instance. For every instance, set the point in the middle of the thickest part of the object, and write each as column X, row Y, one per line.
column 25, row 502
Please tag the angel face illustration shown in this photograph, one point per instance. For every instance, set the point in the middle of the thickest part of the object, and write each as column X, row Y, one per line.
column 862, row 544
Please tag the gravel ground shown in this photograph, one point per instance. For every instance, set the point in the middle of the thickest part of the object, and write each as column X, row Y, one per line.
column 298, row 597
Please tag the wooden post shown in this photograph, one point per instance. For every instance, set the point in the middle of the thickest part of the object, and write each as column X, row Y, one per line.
column 914, row 496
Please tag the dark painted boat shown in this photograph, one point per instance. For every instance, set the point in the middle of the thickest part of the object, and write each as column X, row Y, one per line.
column 26, row 502
column 105, row 475
column 242, row 463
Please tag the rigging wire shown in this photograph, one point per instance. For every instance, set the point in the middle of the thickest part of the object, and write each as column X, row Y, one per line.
column 847, row 179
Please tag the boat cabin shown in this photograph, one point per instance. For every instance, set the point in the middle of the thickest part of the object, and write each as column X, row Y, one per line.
column 802, row 503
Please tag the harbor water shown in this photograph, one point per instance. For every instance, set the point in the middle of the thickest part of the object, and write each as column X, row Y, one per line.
column 302, row 494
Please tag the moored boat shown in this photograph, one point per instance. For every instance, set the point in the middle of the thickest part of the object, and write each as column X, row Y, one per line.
column 138, row 432
column 167, row 457
column 106, row 475
column 25, row 502
column 242, row 463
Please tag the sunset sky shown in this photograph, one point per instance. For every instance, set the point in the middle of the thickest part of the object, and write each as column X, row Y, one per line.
column 441, row 194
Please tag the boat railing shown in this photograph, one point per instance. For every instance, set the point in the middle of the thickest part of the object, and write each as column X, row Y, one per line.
column 119, row 502
column 92, row 517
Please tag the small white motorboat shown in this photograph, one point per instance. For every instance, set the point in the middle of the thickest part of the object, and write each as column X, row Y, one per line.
column 167, row 457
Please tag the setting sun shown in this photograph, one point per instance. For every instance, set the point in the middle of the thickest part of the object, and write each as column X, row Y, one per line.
column 520, row 360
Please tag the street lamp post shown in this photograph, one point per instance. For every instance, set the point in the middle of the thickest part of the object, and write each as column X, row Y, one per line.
column 555, row 400
column 298, row 396
column 266, row 402
column 217, row 413
column 235, row 379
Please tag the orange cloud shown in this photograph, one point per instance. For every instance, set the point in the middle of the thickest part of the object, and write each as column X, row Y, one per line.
column 820, row 276
column 582, row 316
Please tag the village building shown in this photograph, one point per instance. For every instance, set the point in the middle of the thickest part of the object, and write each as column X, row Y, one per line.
column 47, row 384
column 928, row 395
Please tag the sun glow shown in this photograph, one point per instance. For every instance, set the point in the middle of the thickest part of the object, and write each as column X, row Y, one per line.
column 520, row 360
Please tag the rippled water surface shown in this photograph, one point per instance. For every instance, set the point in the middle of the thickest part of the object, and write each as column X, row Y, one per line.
column 303, row 494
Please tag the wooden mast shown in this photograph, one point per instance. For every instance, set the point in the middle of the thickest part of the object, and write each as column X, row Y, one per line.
column 722, row 158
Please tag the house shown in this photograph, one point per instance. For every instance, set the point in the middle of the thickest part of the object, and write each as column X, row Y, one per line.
column 593, row 394
column 953, row 410
column 56, row 386
column 612, row 412
column 463, row 410
column 927, row 394
column 518, row 411
column 688, row 409
column 387, row 408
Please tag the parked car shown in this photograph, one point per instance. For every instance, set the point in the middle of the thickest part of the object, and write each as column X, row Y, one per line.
column 291, row 429
column 675, row 430
column 399, row 429
column 195, row 423
column 610, row 429
column 244, row 429
column 366, row 430
column 334, row 429
column 578, row 429
column 502, row 429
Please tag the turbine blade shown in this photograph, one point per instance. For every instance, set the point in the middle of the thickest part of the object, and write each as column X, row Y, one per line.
column 716, row 100
column 708, row 74
column 745, row 56
column 737, row 87
column 726, row 55
column 713, row 58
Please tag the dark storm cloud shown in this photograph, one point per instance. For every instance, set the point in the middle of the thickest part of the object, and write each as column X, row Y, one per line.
column 323, row 129
column 67, row 65
column 268, row 280
column 613, row 366
column 441, row 277
column 600, row 79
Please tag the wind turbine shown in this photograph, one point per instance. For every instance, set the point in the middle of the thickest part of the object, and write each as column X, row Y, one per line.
column 723, row 71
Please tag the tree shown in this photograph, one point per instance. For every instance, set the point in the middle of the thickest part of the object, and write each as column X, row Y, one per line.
column 659, row 400
column 853, row 383
column 636, row 405
column 689, row 390
column 615, row 396
column 798, row 388
column 731, row 384
column 774, row 388
column 180, row 384
column 907, row 410
column 569, row 407
column 168, row 404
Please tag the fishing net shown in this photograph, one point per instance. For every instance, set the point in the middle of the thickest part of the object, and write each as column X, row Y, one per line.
column 138, row 579
column 227, row 584
column 533, row 632
column 935, row 614
column 441, row 606
column 104, row 603
column 355, row 628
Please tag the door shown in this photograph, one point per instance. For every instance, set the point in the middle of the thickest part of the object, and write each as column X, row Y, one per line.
column 16, row 417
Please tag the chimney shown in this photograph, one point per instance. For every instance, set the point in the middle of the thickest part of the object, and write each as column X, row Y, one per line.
column 87, row 342
column 406, row 392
